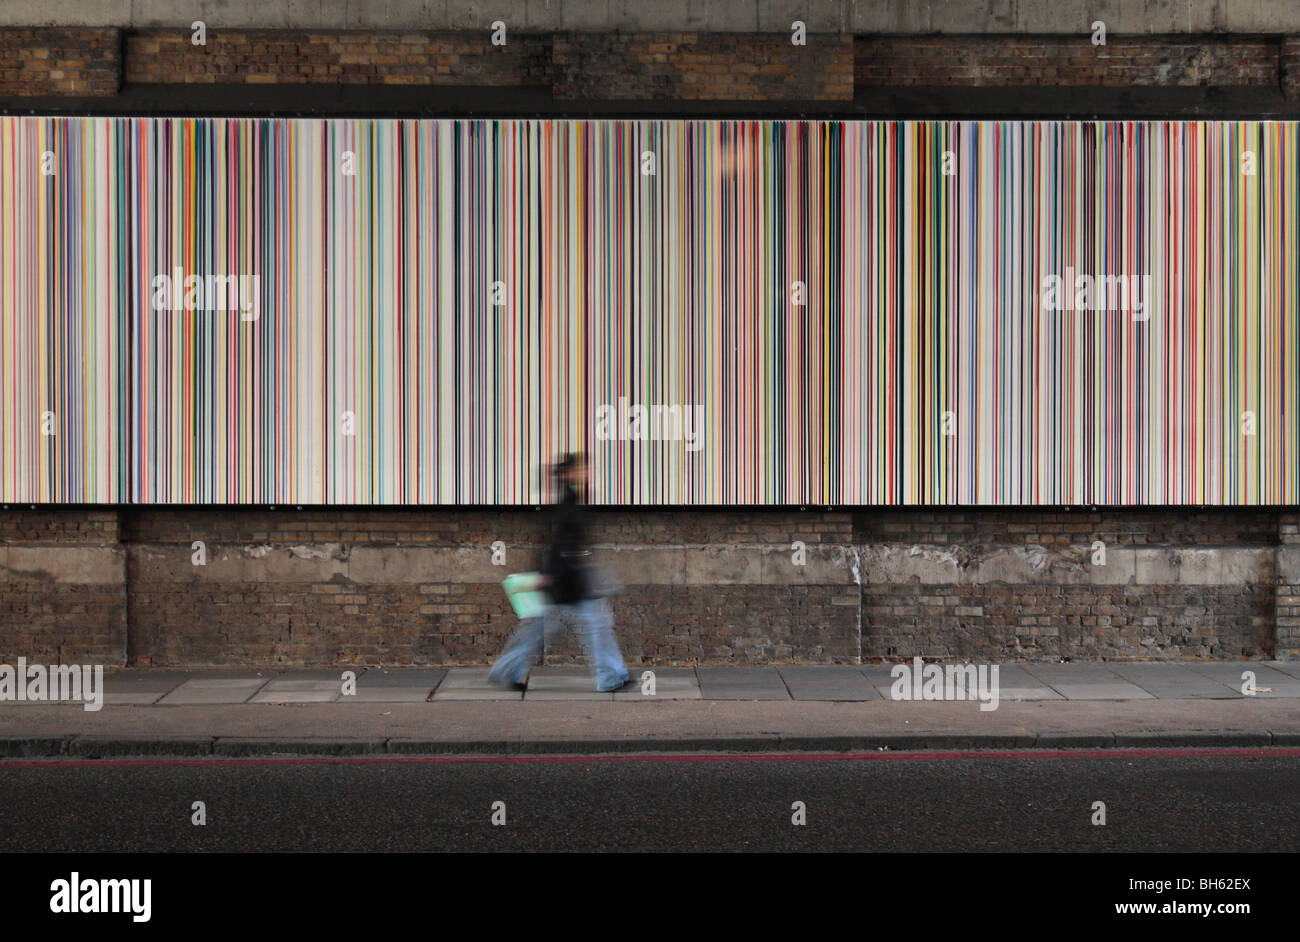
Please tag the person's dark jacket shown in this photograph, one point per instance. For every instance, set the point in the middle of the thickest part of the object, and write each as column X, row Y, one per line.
column 568, row 555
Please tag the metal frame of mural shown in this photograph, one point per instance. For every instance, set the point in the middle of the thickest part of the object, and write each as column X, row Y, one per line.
column 720, row 312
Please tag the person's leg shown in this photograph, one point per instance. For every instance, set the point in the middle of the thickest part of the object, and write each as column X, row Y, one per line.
column 595, row 624
column 522, row 651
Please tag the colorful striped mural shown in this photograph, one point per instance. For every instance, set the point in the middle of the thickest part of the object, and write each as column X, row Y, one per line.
column 830, row 313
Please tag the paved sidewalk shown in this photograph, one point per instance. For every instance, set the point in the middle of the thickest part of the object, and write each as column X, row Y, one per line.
column 1200, row 680
column 708, row 709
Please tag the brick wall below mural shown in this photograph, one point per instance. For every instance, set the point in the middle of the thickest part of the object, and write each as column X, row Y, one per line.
column 318, row 587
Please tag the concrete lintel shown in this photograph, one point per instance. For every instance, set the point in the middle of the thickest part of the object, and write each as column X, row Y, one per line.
column 1032, row 565
column 1059, row 17
column 71, row 565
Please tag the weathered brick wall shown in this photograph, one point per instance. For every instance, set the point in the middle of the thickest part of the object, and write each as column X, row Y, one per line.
column 633, row 66
column 640, row 66
column 286, row 57
column 62, row 587
column 419, row 587
column 83, row 62
column 1014, row 61
column 702, row 66
column 985, row 584
column 1290, row 67
column 329, row 587
column 404, row 587
column 1287, row 614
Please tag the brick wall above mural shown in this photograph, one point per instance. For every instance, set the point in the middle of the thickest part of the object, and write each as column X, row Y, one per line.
column 164, row 69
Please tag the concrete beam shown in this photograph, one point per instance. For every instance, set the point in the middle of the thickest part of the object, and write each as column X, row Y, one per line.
column 1033, row 565
column 735, row 564
column 1060, row 17
column 69, row 565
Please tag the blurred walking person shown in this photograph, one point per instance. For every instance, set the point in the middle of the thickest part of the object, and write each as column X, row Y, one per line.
column 578, row 589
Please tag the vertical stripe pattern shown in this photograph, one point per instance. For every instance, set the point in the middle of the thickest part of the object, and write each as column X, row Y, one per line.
column 425, row 312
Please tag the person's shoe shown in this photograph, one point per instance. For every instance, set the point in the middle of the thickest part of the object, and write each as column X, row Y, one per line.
column 518, row 686
column 623, row 686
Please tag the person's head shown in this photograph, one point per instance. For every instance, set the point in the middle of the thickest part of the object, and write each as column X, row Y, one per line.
column 572, row 471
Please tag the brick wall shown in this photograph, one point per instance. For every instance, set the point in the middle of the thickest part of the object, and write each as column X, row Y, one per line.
column 1290, row 67
column 360, row 586
column 642, row 66
column 1287, row 614
column 1018, row 61
column 82, row 62
column 285, row 57
column 62, row 587
column 988, row 584
column 633, row 66
column 702, row 66
column 419, row 587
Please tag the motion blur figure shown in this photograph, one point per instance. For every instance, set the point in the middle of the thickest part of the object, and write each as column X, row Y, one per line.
column 578, row 590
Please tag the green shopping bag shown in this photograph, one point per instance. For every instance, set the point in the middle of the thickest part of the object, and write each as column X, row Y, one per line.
column 525, row 597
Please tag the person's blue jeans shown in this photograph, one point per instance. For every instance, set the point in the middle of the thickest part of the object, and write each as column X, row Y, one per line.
column 594, row 622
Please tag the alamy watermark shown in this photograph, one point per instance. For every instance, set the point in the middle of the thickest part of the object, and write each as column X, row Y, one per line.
column 622, row 421
column 181, row 292
column 79, row 894
column 1079, row 291
column 37, row 682
column 921, row 681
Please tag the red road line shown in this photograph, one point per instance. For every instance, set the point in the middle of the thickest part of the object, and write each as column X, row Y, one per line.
column 1263, row 752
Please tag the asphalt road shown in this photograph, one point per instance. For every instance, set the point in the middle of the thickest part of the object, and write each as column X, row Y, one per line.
column 1220, row 801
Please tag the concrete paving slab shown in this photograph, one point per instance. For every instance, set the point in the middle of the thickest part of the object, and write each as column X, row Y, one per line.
column 464, row 678
column 556, row 677
column 1174, row 682
column 333, row 684
column 471, row 683
column 1291, row 668
column 214, row 690
column 878, row 676
column 671, row 683
column 563, row 683
column 38, row 703
column 413, row 685
column 225, row 683
column 1229, row 672
column 334, row 674
column 1027, row 693
column 1015, row 675
column 1101, row 691
column 133, row 698
column 389, row 695
column 830, row 682
column 1016, row 683
column 140, row 688
column 741, row 683
column 377, row 678
column 1085, row 682
column 1047, row 673
column 140, row 681
column 299, row 691
column 478, row 693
